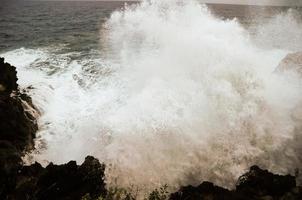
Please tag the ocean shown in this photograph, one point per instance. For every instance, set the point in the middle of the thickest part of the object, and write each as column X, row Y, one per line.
column 162, row 92
column 76, row 25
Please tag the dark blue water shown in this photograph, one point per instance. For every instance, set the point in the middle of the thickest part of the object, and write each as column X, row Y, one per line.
column 35, row 24
column 76, row 25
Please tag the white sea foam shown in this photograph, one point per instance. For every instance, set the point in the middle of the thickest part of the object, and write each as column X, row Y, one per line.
column 188, row 98
column 284, row 31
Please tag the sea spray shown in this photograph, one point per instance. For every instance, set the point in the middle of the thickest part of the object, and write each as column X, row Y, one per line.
column 274, row 32
column 178, row 97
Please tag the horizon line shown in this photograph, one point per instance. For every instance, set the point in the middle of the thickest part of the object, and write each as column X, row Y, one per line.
column 201, row 1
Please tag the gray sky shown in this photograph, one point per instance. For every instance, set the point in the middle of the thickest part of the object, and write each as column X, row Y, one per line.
column 250, row 2
column 259, row 2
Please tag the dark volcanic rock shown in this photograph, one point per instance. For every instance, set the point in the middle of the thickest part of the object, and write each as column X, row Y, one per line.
column 257, row 184
column 17, row 114
column 60, row 182
column 17, row 126
column 205, row 191
column 8, row 77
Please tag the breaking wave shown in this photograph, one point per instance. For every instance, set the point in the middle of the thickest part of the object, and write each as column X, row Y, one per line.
column 178, row 97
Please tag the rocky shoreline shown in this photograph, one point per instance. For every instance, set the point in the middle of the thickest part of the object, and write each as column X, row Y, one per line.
column 18, row 125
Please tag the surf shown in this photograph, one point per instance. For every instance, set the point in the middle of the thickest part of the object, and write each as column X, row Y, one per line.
column 175, row 96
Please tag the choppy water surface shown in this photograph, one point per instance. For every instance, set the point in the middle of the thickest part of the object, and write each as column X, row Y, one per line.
column 162, row 92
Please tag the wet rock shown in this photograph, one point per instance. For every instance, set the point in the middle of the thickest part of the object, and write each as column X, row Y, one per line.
column 60, row 182
column 8, row 77
column 256, row 184
column 93, row 177
column 206, row 191
column 294, row 194
column 17, row 127
column 18, row 124
column 10, row 161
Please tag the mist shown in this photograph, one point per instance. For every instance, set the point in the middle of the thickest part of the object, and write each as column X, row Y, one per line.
column 171, row 94
column 195, row 100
